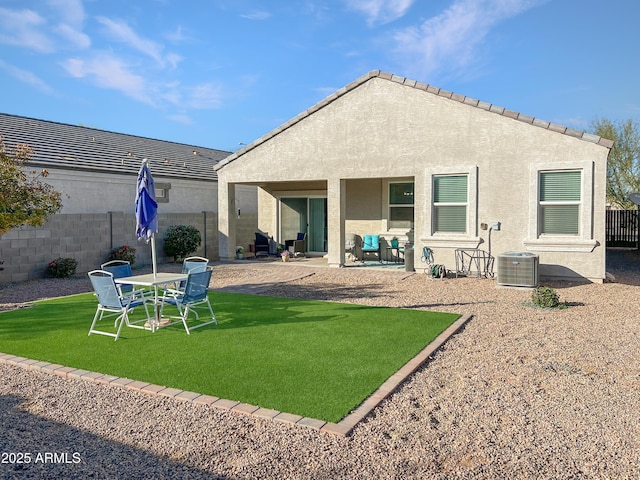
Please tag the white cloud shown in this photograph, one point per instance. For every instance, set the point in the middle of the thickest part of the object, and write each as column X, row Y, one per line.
column 380, row 12
column 181, row 118
column 177, row 36
column 257, row 15
column 108, row 71
column 450, row 41
column 76, row 37
column 71, row 11
column 205, row 96
column 23, row 28
column 30, row 29
column 121, row 32
column 72, row 16
column 26, row 77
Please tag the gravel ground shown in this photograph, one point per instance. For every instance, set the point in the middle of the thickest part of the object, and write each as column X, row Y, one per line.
column 519, row 393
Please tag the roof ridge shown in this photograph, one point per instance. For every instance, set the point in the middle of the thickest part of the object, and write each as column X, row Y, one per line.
column 580, row 134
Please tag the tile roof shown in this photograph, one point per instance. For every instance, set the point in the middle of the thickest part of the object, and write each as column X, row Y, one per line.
column 432, row 90
column 58, row 145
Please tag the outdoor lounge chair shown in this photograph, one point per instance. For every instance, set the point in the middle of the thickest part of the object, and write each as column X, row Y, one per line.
column 371, row 244
column 193, row 297
column 262, row 244
column 350, row 246
column 299, row 244
column 113, row 303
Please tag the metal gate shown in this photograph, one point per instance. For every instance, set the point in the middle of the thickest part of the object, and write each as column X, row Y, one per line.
column 622, row 228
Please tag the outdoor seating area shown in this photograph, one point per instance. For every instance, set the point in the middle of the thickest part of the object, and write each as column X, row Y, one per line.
column 374, row 249
column 119, row 293
column 298, row 246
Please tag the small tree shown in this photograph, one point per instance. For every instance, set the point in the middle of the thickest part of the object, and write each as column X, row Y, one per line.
column 24, row 197
column 623, row 166
column 181, row 240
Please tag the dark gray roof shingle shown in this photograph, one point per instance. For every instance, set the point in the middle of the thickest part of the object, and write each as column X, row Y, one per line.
column 59, row 145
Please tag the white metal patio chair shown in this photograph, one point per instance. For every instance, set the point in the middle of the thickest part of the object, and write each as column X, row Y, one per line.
column 120, row 269
column 112, row 303
column 192, row 264
column 191, row 299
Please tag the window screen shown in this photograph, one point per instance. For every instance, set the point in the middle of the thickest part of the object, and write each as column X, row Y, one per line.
column 560, row 197
column 450, row 195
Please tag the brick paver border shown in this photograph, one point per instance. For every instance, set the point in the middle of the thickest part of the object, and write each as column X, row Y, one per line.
column 343, row 427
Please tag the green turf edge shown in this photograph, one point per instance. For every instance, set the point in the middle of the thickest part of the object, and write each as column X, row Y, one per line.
column 54, row 336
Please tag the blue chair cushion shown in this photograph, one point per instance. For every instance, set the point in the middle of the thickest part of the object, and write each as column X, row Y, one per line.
column 371, row 243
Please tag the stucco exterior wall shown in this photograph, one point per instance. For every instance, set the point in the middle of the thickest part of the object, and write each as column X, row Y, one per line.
column 382, row 130
column 364, row 213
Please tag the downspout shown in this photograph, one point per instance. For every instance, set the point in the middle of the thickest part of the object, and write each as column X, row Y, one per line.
column 110, row 230
column 204, row 217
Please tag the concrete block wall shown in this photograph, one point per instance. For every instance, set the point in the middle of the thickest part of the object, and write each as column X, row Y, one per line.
column 88, row 238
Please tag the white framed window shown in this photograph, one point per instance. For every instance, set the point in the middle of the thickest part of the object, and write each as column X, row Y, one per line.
column 450, row 203
column 560, row 201
column 560, row 207
column 451, row 206
column 401, row 205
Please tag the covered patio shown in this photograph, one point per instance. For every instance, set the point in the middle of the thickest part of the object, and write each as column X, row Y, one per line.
column 393, row 158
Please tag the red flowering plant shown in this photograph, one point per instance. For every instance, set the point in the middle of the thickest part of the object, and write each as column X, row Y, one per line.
column 125, row 252
column 62, row 267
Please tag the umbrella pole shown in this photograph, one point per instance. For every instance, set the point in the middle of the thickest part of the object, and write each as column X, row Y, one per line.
column 156, row 305
column 154, row 261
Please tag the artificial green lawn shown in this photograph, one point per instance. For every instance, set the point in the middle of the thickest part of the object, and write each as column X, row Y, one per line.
column 311, row 358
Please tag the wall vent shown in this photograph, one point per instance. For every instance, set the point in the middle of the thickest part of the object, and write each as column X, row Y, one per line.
column 518, row 269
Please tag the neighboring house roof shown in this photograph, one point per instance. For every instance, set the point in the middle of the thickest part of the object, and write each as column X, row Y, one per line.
column 427, row 89
column 58, row 145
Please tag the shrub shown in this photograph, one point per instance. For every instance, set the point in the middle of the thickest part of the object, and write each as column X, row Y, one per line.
column 546, row 297
column 181, row 240
column 62, row 267
column 124, row 252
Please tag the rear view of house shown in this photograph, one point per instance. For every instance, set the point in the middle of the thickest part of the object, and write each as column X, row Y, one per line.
column 393, row 157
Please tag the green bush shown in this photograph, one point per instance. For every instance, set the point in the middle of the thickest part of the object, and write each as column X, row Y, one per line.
column 546, row 297
column 124, row 252
column 181, row 240
column 62, row 267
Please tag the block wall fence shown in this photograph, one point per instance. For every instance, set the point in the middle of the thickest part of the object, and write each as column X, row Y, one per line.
column 88, row 238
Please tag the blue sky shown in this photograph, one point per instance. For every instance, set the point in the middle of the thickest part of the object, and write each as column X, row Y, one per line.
column 222, row 73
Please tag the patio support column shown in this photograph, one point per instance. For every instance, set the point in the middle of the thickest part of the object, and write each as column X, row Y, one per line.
column 226, row 220
column 421, row 204
column 336, row 206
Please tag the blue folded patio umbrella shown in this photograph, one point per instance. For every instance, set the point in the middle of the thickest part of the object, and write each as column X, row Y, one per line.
column 146, row 209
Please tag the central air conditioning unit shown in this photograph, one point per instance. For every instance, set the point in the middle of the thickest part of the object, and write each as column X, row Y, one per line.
column 518, row 269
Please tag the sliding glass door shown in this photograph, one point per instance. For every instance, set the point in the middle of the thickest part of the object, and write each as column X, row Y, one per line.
column 305, row 214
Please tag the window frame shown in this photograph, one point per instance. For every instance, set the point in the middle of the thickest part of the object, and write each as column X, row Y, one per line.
column 470, row 238
column 390, row 205
column 436, row 205
column 162, row 192
column 543, row 242
column 559, row 203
